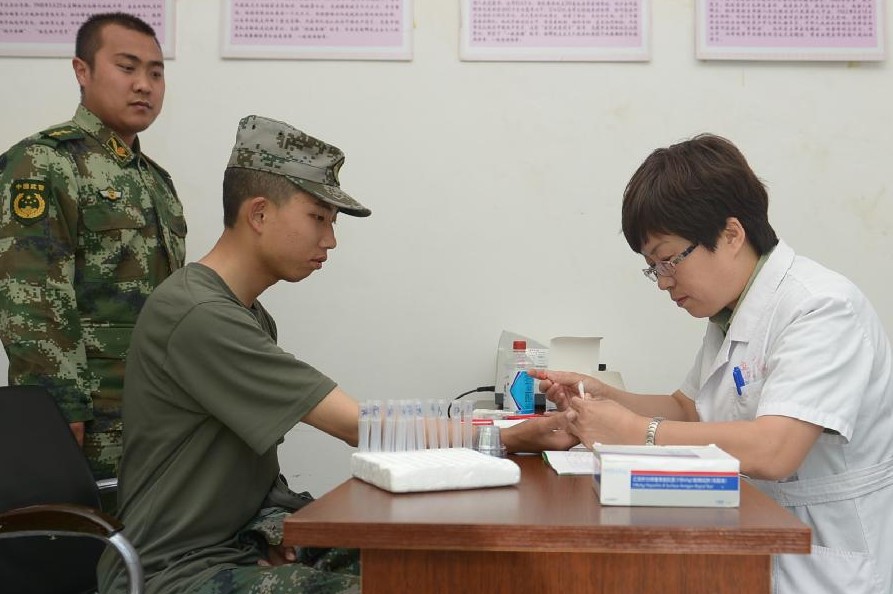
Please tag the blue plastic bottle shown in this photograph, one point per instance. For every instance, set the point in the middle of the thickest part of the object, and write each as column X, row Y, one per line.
column 518, row 392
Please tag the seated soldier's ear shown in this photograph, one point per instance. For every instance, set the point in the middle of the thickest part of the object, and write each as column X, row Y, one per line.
column 256, row 208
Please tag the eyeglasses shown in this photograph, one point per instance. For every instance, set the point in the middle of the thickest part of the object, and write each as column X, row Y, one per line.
column 667, row 267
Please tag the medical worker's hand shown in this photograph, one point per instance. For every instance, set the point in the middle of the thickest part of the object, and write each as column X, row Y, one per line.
column 561, row 386
column 600, row 420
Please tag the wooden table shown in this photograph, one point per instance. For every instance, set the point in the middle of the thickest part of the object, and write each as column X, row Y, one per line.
column 548, row 534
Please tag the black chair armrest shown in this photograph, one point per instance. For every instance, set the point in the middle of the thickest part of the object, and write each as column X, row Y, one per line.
column 75, row 520
column 60, row 518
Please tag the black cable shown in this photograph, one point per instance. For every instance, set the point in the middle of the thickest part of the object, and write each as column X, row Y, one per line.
column 478, row 389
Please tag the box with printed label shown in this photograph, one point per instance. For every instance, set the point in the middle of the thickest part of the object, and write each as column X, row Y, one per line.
column 679, row 476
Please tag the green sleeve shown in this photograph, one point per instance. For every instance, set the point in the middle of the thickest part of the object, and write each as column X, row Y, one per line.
column 222, row 357
column 39, row 321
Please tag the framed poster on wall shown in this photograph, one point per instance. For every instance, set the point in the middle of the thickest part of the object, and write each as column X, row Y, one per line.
column 36, row 28
column 852, row 30
column 550, row 30
column 317, row 29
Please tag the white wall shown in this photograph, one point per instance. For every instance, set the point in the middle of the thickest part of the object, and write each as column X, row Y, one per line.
column 496, row 192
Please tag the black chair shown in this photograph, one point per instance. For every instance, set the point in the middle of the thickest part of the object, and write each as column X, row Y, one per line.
column 52, row 530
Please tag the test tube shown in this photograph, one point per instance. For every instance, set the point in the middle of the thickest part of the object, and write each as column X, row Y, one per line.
column 420, row 442
column 390, row 414
column 431, row 424
column 443, row 435
column 375, row 427
column 467, row 424
column 406, row 427
column 455, row 424
column 399, row 428
column 364, row 426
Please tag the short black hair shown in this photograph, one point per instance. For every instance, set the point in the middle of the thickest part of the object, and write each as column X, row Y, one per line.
column 690, row 189
column 240, row 184
column 89, row 36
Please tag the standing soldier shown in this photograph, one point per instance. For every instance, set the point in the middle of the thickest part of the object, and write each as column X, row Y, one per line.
column 89, row 226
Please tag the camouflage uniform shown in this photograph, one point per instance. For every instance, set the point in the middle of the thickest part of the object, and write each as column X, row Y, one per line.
column 316, row 570
column 292, row 578
column 88, row 228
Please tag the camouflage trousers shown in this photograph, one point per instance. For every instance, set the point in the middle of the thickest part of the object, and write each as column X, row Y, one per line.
column 316, row 570
column 103, row 452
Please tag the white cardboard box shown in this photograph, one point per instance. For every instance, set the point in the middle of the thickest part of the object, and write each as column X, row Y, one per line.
column 679, row 476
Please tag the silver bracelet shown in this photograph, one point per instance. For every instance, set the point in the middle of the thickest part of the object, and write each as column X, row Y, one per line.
column 652, row 429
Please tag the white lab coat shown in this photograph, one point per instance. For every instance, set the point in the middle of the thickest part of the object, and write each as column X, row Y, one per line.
column 811, row 347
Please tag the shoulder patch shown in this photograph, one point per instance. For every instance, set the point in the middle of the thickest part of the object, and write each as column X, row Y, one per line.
column 63, row 133
column 27, row 200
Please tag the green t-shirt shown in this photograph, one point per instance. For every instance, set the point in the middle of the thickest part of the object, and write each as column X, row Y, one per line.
column 207, row 396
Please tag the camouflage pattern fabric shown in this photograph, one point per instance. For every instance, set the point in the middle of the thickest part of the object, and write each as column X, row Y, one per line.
column 265, row 530
column 275, row 147
column 316, row 571
column 267, row 526
column 88, row 228
column 293, row 578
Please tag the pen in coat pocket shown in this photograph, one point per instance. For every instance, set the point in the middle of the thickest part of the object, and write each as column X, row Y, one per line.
column 738, row 377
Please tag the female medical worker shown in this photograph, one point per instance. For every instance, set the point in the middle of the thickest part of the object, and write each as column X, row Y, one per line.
column 793, row 376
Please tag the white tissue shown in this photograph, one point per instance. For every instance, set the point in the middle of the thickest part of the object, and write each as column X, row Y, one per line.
column 433, row 470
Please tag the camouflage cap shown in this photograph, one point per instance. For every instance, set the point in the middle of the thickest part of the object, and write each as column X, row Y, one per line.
column 269, row 145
